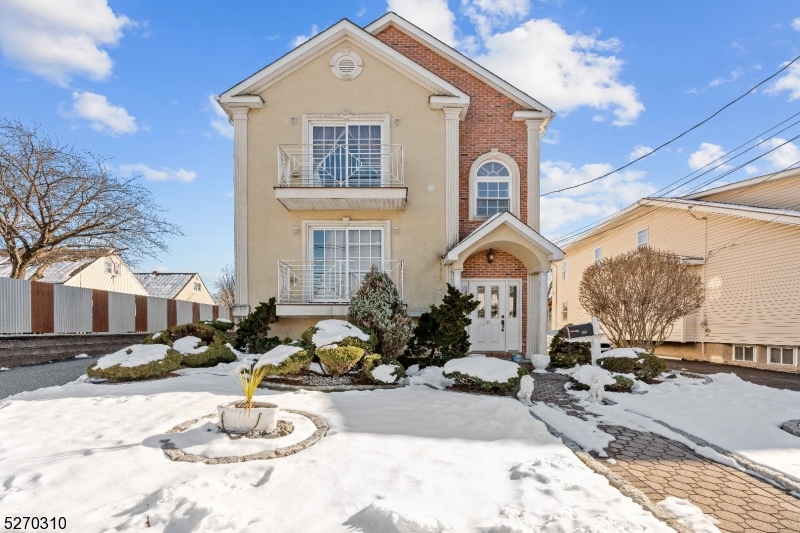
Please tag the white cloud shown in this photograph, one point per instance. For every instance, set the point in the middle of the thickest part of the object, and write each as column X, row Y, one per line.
column 300, row 39
column 162, row 174
column 553, row 136
column 707, row 153
column 783, row 157
column 56, row 39
column 751, row 169
column 433, row 16
column 788, row 82
column 220, row 120
column 564, row 71
column 561, row 212
column 486, row 15
column 102, row 116
column 720, row 81
column 796, row 24
column 638, row 151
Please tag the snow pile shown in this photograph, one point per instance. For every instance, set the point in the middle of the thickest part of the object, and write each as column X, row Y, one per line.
column 4, row 368
column 689, row 515
column 630, row 353
column 585, row 373
column 82, row 356
column 384, row 373
column 140, row 354
column 484, row 368
column 432, row 376
column 189, row 345
column 332, row 331
column 584, row 434
column 394, row 515
column 278, row 355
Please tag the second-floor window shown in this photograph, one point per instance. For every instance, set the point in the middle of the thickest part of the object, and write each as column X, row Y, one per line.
column 197, row 286
column 598, row 255
column 347, row 155
column 493, row 189
column 642, row 238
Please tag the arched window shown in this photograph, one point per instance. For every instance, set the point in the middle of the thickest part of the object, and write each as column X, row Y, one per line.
column 493, row 189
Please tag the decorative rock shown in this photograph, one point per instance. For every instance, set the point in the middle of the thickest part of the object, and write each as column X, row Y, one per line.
column 540, row 362
column 596, row 388
column 525, row 390
column 792, row 426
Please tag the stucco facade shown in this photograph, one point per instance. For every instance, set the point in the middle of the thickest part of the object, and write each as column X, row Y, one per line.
column 435, row 118
column 742, row 240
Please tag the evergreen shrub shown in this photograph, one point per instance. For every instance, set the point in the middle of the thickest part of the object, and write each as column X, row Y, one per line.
column 565, row 354
column 340, row 359
column 252, row 334
column 495, row 387
column 151, row 370
column 644, row 367
column 295, row 364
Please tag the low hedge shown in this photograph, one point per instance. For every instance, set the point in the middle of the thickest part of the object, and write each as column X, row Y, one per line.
column 219, row 325
column 623, row 385
column 339, row 360
column 489, row 386
column 206, row 333
column 295, row 364
column 151, row 370
column 644, row 367
column 216, row 354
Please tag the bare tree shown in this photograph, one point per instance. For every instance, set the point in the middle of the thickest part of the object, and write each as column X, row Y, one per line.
column 61, row 204
column 225, row 284
column 638, row 296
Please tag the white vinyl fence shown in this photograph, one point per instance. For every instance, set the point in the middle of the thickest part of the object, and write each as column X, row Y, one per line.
column 121, row 312
column 15, row 306
column 72, row 309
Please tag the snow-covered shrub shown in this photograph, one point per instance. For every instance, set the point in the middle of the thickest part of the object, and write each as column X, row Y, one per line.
column 220, row 325
column 644, row 367
column 285, row 360
column 484, row 373
column 135, row 363
column 441, row 334
column 623, row 384
column 370, row 361
column 386, row 374
column 216, row 354
column 377, row 308
column 565, row 354
column 339, row 359
column 206, row 333
column 200, row 345
column 252, row 334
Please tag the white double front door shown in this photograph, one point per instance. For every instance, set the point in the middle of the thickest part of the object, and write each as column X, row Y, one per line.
column 497, row 322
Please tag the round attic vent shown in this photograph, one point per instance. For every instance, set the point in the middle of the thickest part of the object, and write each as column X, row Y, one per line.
column 346, row 65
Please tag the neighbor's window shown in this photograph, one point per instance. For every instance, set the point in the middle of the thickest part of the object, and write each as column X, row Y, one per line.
column 197, row 286
column 564, row 310
column 642, row 238
column 598, row 255
column 493, row 189
column 564, row 271
column 109, row 267
column 744, row 353
column 781, row 356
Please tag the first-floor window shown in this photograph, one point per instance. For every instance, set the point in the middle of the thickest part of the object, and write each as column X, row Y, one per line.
column 781, row 356
column 744, row 353
column 341, row 257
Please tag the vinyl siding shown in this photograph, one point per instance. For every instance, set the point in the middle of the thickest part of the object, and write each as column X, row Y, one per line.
column 780, row 194
column 95, row 276
column 188, row 293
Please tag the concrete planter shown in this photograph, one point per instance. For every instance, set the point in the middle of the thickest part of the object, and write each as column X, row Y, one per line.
column 236, row 419
column 540, row 361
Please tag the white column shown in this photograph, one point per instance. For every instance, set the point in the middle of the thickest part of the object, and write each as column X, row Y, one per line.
column 541, row 323
column 239, row 116
column 534, row 189
column 452, row 117
column 530, row 326
column 457, row 278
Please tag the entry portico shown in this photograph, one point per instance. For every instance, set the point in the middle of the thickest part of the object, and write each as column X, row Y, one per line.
column 527, row 258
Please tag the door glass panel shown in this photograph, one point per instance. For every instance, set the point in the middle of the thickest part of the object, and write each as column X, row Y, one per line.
column 329, row 152
column 364, row 143
column 364, row 250
column 495, row 301
column 512, row 301
column 329, row 252
column 481, row 301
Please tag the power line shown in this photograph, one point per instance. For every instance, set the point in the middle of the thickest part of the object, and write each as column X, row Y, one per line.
column 717, row 112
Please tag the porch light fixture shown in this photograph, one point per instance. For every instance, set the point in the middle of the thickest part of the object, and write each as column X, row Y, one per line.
column 490, row 256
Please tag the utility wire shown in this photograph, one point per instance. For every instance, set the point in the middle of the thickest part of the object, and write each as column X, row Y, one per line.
column 720, row 110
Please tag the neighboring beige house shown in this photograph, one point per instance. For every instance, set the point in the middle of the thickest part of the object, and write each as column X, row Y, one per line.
column 742, row 239
column 106, row 273
column 178, row 286
column 383, row 146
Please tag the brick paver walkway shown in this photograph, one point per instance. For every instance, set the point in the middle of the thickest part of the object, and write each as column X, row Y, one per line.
column 660, row 467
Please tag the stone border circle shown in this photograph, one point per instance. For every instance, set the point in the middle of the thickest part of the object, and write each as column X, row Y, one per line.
column 175, row 454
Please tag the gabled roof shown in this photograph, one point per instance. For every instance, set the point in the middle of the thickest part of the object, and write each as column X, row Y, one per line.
column 493, row 80
column 245, row 92
column 55, row 273
column 554, row 253
column 752, row 182
column 164, row 285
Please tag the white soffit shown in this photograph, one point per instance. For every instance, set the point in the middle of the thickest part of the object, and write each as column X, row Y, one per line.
column 523, row 99
column 554, row 252
column 328, row 39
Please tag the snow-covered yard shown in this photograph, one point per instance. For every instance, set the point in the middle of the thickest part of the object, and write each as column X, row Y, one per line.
column 409, row 459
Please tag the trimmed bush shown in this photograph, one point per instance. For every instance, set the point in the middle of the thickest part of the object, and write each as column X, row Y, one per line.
column 489, row 386
column 568, row 354
column 217, row 353
column 369, row 362
column 398, row 373
column 207, row 334
column 645, row 367
column 305, row 341
column 367, row 346
column 151, row 370
column 220, row 325
column 339, row 360
column 252, row 334
column 623, row 385
column 295, row 364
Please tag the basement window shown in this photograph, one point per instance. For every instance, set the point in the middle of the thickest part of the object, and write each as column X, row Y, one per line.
column 781, row 356
column 744, row 353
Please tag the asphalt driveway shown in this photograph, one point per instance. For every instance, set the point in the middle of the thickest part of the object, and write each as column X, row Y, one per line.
column 26, row 378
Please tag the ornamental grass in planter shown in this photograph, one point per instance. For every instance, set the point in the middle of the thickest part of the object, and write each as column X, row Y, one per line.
column 248, row 416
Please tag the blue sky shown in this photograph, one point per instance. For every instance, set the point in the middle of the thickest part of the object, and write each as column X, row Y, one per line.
column 131, row 81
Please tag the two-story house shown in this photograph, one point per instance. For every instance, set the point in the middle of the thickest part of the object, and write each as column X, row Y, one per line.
column 383, row 146
column 741, row 239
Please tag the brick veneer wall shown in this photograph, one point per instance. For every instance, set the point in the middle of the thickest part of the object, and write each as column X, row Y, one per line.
column 505, row 266
column 487, row 125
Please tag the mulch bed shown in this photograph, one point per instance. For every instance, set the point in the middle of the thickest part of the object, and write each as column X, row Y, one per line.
column 315, row 379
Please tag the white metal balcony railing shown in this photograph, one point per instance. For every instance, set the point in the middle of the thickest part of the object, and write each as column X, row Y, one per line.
column 340, row 165
column 329, row 281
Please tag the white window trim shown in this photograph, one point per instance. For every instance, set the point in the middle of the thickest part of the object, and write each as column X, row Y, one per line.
column 332, row 119
column 733, row 353
column 310, row 225
column 647, row 242
column 513, row 169
column 794, row 355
